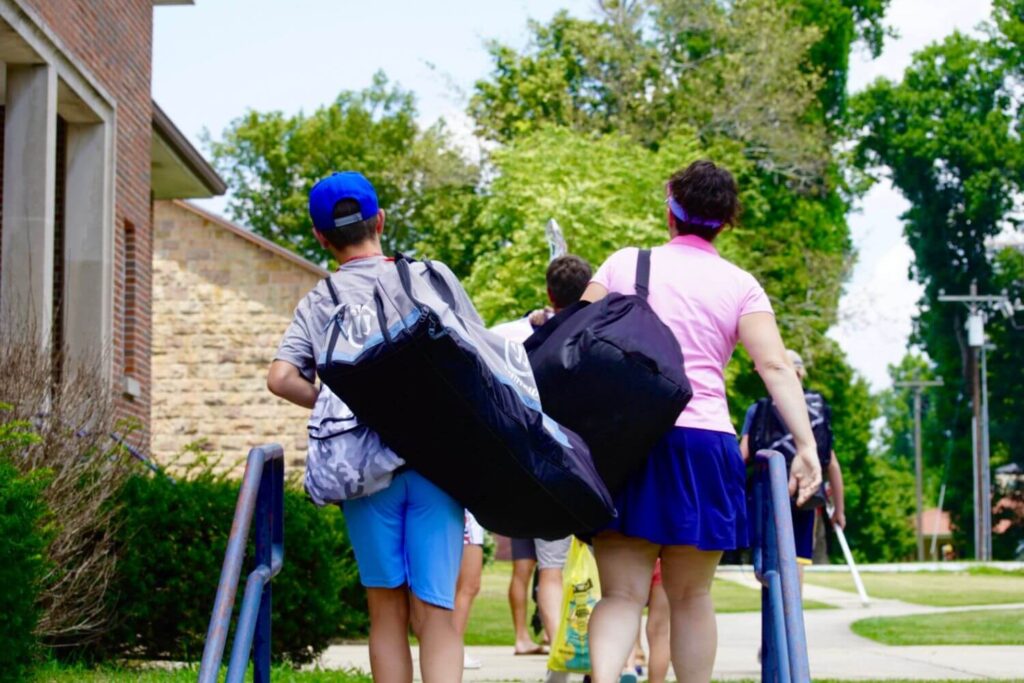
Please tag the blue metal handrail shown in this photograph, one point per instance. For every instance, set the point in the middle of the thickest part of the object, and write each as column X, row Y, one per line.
column 263, row 493
column 783, row 639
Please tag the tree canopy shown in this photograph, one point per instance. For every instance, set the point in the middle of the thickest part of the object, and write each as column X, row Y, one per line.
column 271, row 161
column 949, row 137
column 590, row 119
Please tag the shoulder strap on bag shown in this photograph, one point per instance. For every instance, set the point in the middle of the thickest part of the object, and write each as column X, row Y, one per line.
column 643, row 273
column 441, row 285
column 332, row 290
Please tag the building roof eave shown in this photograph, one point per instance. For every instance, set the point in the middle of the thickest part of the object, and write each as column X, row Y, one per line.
column 178, row 170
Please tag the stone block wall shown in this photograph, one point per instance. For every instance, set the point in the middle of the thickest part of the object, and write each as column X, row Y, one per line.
column 221, row 302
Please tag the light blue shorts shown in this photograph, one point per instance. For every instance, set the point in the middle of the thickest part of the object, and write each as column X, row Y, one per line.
column 408, row 534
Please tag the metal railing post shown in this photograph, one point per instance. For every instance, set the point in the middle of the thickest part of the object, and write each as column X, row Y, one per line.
column 783, row 638
column 263, row 492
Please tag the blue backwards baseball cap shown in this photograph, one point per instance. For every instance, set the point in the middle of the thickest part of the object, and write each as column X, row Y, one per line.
column 332, row 189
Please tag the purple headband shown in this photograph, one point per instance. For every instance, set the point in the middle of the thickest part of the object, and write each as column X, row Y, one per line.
column 683, row 217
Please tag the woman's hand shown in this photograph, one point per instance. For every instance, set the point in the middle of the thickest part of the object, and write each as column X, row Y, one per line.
column 805, row 474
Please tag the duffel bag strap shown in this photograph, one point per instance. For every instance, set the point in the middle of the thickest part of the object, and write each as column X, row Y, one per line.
column 643, row 273
column 332, row 290
column 441, row 285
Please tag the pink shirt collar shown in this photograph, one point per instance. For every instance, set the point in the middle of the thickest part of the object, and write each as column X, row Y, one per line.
column 695, row 242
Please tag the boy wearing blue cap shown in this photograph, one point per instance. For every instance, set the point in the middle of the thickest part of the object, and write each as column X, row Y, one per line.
column 408, row 537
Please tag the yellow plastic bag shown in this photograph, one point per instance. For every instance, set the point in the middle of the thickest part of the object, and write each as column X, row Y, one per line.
column 580, row 592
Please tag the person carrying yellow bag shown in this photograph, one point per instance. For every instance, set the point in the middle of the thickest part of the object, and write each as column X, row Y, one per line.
column 570, row 650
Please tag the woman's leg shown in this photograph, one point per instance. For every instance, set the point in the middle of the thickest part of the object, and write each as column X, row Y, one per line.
column 390, row 656
column 441, row 650
column 686, row 574
column 468, row 586
column 625, row 566
column 658, row 635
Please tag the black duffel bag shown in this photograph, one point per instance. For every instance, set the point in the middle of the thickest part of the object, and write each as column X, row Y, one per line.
column 459, row 404
column 612, row 372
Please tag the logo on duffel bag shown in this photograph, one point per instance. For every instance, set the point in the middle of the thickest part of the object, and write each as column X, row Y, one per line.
column 357, row 323
column 517, row 360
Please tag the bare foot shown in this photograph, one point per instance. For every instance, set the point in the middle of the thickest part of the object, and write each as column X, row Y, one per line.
column 530, row 648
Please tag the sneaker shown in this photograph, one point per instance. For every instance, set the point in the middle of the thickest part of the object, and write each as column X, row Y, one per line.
column 628, row 677
column 468, row 663
column 556, row 677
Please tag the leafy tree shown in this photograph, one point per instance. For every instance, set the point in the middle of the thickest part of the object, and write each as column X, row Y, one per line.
column 742, row 74
column 271, row 161
column 897, row 407
column 882, row 509
column 595, row 115
column 949, row 135
column 607, row 192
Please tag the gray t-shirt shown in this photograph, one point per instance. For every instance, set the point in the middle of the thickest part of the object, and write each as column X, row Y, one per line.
column 304, row 339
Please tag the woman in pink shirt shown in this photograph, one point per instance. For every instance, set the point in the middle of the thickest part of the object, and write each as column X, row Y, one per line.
column 688, row 503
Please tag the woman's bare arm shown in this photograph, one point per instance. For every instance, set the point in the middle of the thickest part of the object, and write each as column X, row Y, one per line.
column 594, row 292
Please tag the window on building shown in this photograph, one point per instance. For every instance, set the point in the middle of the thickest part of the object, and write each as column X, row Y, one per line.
column 130, row 265
column 2, row 113
column 57, row 347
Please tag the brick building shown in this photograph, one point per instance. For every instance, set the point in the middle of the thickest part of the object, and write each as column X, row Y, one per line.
column 222, row 298
column 85, row 151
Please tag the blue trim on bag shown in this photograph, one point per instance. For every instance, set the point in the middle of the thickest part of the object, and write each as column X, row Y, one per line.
column 375, row 340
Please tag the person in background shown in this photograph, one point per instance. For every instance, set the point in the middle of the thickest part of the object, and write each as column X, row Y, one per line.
column 687, row 503
column 803, row 520
column 468, row 585
column 567, row 276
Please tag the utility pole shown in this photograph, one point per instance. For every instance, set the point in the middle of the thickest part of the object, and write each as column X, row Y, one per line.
column 976, row 316
column 918, row 385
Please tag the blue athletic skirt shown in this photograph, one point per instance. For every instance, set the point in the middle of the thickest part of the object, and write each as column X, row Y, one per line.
column 691, row 491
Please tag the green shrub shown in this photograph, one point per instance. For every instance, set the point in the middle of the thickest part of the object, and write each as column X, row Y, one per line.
column 171, row 543
column 23, row 542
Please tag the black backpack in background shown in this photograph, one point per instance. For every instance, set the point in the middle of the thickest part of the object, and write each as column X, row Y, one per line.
column 612, row 372
column 768, row 431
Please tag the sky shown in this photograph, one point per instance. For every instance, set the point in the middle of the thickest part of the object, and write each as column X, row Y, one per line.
column 216, row 59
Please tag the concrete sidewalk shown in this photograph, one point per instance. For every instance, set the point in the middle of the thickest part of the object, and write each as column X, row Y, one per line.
column 835, row 651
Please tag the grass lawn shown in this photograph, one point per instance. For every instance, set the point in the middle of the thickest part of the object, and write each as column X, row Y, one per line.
column 979, row 627
column 941, row 589
column 490, row 622
column 57, row 674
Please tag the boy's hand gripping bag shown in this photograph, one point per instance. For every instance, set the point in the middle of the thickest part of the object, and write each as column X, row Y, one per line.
column 459, row 404
column 580, row 592
column 612, row 371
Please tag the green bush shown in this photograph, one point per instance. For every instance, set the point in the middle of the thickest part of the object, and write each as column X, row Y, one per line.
column 171, row 542
column 23, row 542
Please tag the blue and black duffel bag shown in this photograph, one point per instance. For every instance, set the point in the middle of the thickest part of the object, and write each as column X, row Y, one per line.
column 612, row 371
column 459, row 404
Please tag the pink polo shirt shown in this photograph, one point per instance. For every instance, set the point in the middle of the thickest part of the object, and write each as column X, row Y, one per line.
column 701, row 297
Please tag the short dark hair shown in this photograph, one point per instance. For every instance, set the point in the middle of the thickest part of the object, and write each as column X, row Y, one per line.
column 567, row 277
column 354, row 233
column 706, row 191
